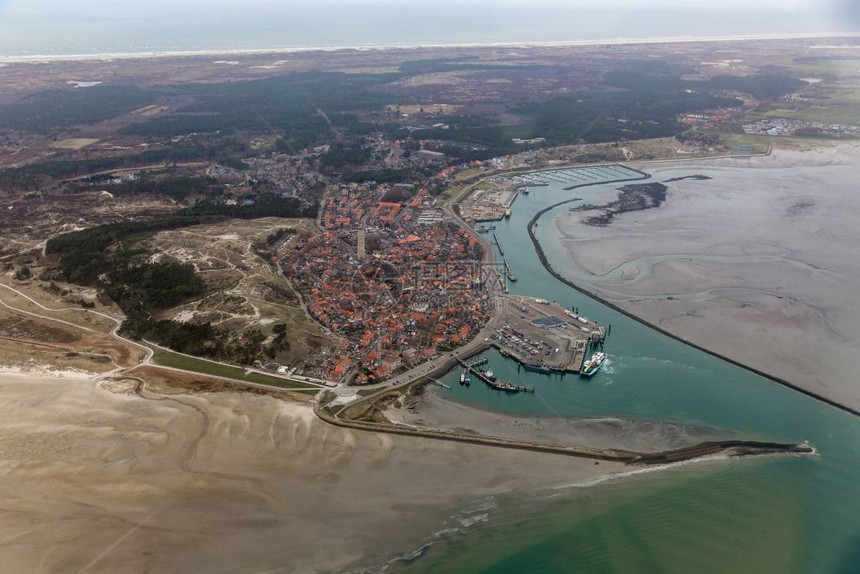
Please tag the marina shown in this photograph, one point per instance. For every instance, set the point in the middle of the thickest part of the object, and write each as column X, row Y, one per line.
column 573, row 177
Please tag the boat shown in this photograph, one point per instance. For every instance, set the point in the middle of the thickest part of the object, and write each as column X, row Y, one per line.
column 526, row 190
column 508, row 213
column 490, row 374
column 537, row 368
column 506, row 387
column 463, row 377
column 593, row 364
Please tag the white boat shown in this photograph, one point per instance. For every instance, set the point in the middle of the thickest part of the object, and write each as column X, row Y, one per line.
column 593, row 364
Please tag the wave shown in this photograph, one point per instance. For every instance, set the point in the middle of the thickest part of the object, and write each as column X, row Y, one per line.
column 467, row 521
column 619, row 476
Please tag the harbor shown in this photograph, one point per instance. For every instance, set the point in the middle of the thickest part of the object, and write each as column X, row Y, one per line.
column 544, row 337
column 539, row 336
column 488, row 379
column 649, row 378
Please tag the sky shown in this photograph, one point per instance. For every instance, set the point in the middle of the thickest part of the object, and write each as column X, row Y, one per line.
column 827, row 8
column 118, row 6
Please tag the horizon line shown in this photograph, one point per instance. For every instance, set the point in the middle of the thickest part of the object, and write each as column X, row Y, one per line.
column 49, row 58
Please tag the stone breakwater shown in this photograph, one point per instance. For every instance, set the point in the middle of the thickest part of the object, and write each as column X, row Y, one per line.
column 727, row 448
column 545, row 262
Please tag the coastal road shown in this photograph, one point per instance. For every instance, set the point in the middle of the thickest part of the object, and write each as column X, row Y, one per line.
column 148, row 351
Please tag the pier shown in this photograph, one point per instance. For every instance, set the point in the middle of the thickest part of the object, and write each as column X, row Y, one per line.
column 510, row 272
column 498, row 244
column 497, row 385
column 440, row 383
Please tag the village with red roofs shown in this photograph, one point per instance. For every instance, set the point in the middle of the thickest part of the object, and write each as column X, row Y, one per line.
column 395, row 280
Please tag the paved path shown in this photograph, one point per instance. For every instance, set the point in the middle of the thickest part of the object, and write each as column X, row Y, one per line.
column 149, row 351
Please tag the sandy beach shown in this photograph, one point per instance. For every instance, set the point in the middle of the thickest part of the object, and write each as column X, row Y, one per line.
column 433, row 410
column 525, row 43
column 758, row 263
column 94, row 478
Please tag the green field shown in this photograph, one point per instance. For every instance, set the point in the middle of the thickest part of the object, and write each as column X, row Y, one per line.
column 828, row 67
column 168, row 359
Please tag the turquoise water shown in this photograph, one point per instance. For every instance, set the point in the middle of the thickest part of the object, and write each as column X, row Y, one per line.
column 780, row 514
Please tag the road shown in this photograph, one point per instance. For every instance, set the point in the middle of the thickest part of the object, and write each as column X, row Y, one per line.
column 148, row 351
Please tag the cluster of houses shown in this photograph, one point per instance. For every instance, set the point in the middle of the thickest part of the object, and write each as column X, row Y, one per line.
column 396, row 281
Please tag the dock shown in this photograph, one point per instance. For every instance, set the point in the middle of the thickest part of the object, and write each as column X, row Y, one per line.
column 543, row 336
column 440, row 383
column 510, row 272
column 497, row 385
column 498, row 244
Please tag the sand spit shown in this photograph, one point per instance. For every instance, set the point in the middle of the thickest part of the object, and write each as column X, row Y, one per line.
column 757, row 264
column 433, row 410
column 101, row 480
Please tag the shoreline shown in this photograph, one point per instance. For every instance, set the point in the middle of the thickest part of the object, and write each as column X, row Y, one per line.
column 604, row 301
column 433, row 408
column 101, row 56
column 730, row 448
column 103, row 456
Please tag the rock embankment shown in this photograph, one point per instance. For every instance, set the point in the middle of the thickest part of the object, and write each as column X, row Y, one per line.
column 729, row 448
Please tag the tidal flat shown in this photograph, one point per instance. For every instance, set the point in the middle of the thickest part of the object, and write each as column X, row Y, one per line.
column 97, row 476
column 757, row 263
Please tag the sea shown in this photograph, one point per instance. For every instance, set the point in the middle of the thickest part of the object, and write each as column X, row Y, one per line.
column 765, row 515
column 88, row 28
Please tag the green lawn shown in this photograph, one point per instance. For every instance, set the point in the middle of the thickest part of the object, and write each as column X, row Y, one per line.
column 168, row 359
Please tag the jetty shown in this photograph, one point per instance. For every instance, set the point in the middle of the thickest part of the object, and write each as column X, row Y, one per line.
column 498, row 243
column 510, row 272
column 440, row 383
column 497, row 385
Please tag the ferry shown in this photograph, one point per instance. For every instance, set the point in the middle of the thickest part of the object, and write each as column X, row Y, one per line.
column 593, row 364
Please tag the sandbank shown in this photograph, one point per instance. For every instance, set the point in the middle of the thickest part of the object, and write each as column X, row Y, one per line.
column 96, row 478
column 433, row 410
column 758, row 264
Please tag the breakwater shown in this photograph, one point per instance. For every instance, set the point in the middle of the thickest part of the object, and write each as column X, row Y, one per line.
column 728, row 448
column 548, row 266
